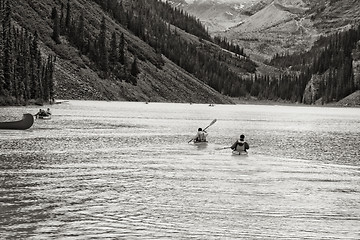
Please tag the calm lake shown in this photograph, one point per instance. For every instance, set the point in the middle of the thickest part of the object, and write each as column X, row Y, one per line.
column 123, row 170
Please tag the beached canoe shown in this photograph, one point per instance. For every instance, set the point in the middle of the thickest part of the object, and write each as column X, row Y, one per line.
column 25, row 123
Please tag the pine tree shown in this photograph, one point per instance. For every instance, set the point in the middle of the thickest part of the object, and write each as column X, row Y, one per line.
column 68, row 15
column 8, row 48
column 2, row 81
column 81, row 33
column 122, row 49
column 56, row 26
column 113, row 55
column 34, row 67
column 51, row 68
column 134, row 68
column 103, row 55
column 61, row 20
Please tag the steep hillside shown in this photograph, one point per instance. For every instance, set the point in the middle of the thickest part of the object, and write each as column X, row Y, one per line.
column 159, row 79
column 277, row 28
column 333, row 15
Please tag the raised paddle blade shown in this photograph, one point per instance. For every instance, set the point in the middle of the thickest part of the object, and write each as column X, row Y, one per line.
column 213, row 121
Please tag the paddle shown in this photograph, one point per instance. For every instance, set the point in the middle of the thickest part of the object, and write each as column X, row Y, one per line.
column 212, row 122
column 222, row 148
column 230, row 147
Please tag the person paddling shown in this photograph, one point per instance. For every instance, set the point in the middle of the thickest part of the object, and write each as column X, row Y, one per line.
column 200, row 136
column 240, row 145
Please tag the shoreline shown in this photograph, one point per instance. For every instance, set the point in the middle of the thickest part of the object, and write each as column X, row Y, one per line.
column 247, row 101
column 235, row 100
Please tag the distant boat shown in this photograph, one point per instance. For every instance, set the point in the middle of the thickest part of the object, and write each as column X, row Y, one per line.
column 47, row 117
column 25, row 123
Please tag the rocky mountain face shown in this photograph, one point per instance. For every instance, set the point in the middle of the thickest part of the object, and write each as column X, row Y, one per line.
column 216, row 15
column 268, row 27
column 278, row 27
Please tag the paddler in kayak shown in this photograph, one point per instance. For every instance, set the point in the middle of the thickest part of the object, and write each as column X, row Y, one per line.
column 200, row 136
column 240, row 145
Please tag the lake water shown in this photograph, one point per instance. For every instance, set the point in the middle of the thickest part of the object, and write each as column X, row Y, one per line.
column 121, row 170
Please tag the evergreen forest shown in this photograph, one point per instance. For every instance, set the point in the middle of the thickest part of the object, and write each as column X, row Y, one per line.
column 331, row 58
column 25, row 74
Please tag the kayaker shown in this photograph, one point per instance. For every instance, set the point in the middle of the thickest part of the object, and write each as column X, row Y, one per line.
column 200, row 136
column 48, row 112
column 240, row 145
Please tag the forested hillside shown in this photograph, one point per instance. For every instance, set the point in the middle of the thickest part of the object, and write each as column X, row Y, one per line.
column 326, row 72
column 117, row 50
column 24, row 75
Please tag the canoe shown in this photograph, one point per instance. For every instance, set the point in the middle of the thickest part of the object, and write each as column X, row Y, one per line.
column 239, row 153
column 25, row 123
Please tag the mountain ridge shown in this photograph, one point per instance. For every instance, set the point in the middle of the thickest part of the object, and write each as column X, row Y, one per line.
column 306, row 21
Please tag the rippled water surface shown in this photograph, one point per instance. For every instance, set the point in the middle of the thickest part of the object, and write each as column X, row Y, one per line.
column 120, row 170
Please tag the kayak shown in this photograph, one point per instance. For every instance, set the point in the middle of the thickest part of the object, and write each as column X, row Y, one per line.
column 200, row 144
column 239, row 153
column 25, row 123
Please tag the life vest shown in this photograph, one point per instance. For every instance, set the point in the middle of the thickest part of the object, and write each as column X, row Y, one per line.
column 240, row 146
column 201, row 137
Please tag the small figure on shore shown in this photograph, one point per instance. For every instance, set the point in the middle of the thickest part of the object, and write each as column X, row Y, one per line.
column 200, row 136
column 240, row 145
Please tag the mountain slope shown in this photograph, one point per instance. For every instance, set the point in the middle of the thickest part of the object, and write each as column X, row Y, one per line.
column 269, row 27
column 276, row 28
column 76, row 77
column 216, row 15
column 333, row 15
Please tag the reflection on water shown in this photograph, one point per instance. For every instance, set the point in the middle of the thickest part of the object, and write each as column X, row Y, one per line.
column 125, row 170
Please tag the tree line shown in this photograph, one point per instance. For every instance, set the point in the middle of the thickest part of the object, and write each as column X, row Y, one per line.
column 24, row 73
